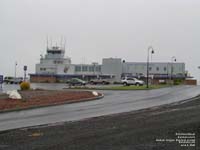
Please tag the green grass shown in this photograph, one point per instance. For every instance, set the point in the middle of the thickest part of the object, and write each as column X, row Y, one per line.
column 131, row 87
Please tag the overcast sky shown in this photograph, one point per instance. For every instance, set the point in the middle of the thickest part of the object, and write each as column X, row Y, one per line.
column 95, row 29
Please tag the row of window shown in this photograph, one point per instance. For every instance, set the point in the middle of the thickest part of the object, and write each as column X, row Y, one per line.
column 58, row 62
column 157, row 68
column 42, row 69
column 98, row 68
column 87, row 68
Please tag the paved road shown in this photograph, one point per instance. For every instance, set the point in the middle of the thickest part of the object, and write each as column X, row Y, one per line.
column 113, row 102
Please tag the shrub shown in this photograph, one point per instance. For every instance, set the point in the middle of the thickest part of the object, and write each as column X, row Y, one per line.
column 163, row 83
column 178, row 81
column 25, row 85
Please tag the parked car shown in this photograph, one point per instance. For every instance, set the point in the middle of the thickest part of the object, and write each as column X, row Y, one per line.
column 13, row 80
column 131, row 81
column 99, row 81
column 75, row 81
column 7, row 79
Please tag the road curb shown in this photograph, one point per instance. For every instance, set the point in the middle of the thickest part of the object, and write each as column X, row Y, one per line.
column 108, row 89
column 55, row 104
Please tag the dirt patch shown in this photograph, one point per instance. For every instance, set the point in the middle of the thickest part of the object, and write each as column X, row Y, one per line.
column 35, row 98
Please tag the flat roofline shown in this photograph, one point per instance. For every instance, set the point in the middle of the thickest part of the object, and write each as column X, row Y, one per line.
column 61, row 75
column 155, row 62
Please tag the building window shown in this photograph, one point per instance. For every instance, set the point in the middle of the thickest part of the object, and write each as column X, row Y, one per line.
column 98, row 68
column 84, row 68
column 165, row 68
column 58, row 62
column 157, row 68
column 150, row 68
column 42, row 69
column 91, row 68
column 77, row 68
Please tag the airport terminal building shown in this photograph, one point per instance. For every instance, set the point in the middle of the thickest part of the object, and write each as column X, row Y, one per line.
column 55, row 67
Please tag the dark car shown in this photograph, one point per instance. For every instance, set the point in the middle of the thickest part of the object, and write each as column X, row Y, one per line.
column 99, row 81
column 13, row 80
column 76, row 81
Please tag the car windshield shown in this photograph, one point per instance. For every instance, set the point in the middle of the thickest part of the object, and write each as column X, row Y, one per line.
column 76, row 79
column 130, row 79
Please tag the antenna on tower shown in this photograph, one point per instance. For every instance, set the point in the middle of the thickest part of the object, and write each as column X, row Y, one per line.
column 61, row 42
column 51, row 41
column 47, row 42
column 64, row 43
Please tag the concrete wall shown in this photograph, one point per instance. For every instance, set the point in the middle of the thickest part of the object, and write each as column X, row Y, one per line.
column 65, row 69
column 154, row 68
column 49, row 69
column 112, row 66
column 55, row 61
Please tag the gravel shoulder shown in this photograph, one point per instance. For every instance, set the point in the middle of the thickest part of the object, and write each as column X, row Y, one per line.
column 168, row 127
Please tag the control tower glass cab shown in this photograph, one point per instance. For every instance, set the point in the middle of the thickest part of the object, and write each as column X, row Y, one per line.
column 55, row 52
column 55, row 55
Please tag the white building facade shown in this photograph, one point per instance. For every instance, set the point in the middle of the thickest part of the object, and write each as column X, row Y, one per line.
column 55, row 65
column 119, row 68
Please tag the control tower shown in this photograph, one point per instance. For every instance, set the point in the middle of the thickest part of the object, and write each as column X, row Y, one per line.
column 54, row 61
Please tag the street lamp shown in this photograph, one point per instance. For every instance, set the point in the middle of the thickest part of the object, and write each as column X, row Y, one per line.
column 199, row 69
column 95, row 64
column 15, row 70
column 173, row 59
column 152, row 52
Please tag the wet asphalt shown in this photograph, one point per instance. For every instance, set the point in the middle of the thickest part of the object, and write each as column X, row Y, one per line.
column 113, row 102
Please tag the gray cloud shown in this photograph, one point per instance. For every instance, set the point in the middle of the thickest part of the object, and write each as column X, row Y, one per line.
column 99, row 28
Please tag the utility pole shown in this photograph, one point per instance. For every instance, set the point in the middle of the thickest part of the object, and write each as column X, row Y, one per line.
column 199, row 69
column 25, row 69
column 173, row 59
column 152, row 52
column 15, row 70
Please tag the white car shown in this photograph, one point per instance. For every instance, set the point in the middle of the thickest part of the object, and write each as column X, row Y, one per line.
column 131, row 81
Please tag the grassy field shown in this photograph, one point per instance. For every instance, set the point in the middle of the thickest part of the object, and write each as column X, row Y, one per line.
column 131, row 87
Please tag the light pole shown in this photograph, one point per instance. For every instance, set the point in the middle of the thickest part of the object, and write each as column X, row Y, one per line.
column 25, row 69
column 15, row 70
column 94, row 68
column 199, row 69
column 152, row 52
column 173, row 59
